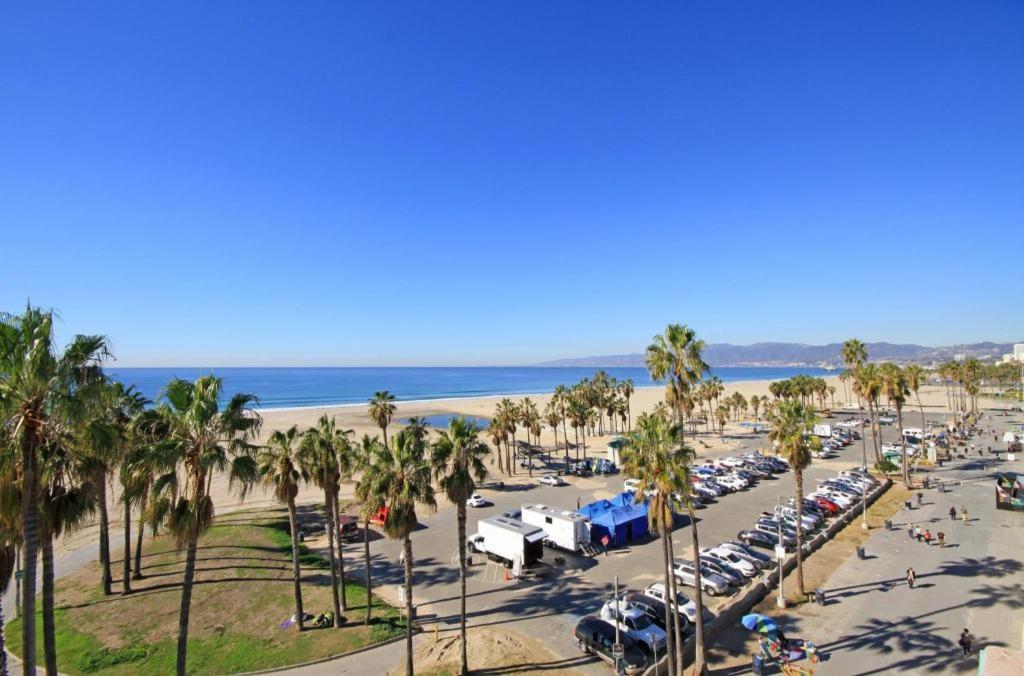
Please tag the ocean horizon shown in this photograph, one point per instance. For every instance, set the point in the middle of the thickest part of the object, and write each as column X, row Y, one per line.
column 306, row 387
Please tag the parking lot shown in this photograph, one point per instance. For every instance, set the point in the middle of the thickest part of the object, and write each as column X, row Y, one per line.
column 547, row 606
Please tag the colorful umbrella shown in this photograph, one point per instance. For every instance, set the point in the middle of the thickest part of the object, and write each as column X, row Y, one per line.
column 759, row 623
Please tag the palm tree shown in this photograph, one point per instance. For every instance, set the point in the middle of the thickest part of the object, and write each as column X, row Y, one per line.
column 8, row 558
column 281, row 469
column 508, row 414
column 458, row 464
column 382, row 408
column 562, row 395
column 791, row 423
column 552, row 416
column 677, row 356
column 627, row 388
column 496, row 431
column 868, row 385
column 39, row 387
column 143, row 464
column 327, row 456
column 894, row 385
column 126, row 405
column 401, row 476
column 364, row 454
column 204, row 439
column 650, row 455
column 915, row 378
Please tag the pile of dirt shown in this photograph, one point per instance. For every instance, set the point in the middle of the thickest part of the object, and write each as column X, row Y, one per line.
column 485, row 648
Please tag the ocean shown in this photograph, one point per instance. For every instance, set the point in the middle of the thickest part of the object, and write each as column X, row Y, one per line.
column 287, row 387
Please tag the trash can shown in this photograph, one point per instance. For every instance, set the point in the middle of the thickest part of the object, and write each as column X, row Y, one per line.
column 819, row 596
column 888, row 524
column 757, row 665
column 860, row 553
column 908, row 504
column 469, row 561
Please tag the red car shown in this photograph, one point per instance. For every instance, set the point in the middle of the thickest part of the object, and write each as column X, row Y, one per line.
column 827, row 504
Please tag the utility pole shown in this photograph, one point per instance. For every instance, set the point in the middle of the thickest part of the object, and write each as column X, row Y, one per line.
column 780, row 553
column 615, row 611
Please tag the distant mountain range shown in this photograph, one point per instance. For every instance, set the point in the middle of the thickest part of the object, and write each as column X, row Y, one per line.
column 799, row 354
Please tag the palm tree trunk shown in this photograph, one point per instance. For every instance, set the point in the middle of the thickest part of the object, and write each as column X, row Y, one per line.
column 384, row 431
column 366, row 559
column 798, row 474
column 126, row 568
column 584, row 442
column 341, row 556
column 331, row 520
column 576, row 434
column 874, row 430
column 700, row 665
column 49, row 625
column 565, row 435
column 30, row 534
column 105, row 537
column 670, row 615
column 464, row 669
column 137, row 575
column 903, row 444
column 407, row 548
column 186, row 602
column 296, row 569
column 3, row 641
column 676, row 629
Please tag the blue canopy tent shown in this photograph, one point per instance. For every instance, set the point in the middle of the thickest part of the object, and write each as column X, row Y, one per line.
column 619, row 518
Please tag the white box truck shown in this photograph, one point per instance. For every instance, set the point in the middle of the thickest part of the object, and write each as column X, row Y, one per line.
column 508, row 540
column 566, row 530
column 823, row 430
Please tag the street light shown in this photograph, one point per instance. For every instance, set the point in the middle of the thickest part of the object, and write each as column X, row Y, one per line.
column 780, row 553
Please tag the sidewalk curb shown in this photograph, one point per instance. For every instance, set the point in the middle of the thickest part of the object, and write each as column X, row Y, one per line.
column 365, row 648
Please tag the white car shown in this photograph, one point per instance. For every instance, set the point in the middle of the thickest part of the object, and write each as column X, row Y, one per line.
column 730, row 558
column 635, row 624
column 867, row 478
column 630, row 485
column 732, row 481
column 476, row 500
column 712, row 584
column 551, row 480
column 731, row 462
column 683, row 605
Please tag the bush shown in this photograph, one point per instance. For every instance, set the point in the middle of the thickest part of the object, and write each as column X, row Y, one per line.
column 95, row 660
column 887, row 466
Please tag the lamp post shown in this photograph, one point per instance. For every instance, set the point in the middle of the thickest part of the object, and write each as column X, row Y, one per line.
column 780, row 553
column 615, row 613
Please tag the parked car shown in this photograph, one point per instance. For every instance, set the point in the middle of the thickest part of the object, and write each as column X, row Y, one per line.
column 515, row 514
column 711, row 584
column 706, row 494
column 825, row 503
column 595, row 636
column 711, row 565
column 476, row 500
column 732, row 482
column 772, row 528
column 652, row 608
column 745, row 551
column 747, row 476
column 551, row 480
column 682, row 605
column 711, row 486
column 731, row 559
column 758, row 538
column 637, row 626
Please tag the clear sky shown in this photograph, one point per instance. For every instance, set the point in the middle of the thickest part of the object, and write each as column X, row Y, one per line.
column 484, row 183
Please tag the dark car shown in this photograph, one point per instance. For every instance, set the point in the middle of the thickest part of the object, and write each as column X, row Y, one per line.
column 348, row 527
column 750, row 477
column 595, row 636
column 747, row 550
column 757, row 538
column 654, row 609
column 734, row 576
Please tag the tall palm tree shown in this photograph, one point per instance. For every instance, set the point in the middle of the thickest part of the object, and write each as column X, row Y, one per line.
column 281, row 469
column 553, row 417
column 508, row 414
column 562, row 396
column 496, row 431
column 143, row 464
column 40, row 386
column 652, row 455
column 364, row 455
column 792, row 423
column 401, row 476
column 382, row 408
column 677, row 356
column 894, row 385
column 326, row 455
column 126, row 404
column 626, row 387
column 868, row 384
column 458, row 464
column 204, row 438
column 915, row 379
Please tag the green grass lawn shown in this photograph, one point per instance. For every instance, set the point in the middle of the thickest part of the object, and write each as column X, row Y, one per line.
column 243, row 593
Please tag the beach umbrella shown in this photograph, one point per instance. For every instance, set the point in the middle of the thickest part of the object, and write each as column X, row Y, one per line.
column 759, row 623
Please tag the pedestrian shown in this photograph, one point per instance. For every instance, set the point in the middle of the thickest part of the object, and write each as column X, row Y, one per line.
column 917, row 533
column 928, row 537
column 920, row 497
column 911, row 577
column 952, row 513
column 910, row 530
column 963, row 514
column 942, row 540
column 965, row 641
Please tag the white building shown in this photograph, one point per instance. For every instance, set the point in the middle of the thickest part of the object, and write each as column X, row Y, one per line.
column 1016, row 356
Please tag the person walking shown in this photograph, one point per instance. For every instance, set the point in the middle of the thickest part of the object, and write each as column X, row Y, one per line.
column 963, row 513
column 965, row 641
column 952, row 513
column 911, row 577
column 910, row 530
column 917, row 533
column 942, row 540
column 928, row 537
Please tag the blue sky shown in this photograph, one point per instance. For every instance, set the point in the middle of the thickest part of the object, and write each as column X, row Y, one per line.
column 486, row 183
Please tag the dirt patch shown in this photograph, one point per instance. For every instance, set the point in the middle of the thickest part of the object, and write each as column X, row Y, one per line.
column 735, row 645
column 486, row 648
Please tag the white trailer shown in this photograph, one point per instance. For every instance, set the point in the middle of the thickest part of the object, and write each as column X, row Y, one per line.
column 823, row 430
column 509, row 540
column 566, row 530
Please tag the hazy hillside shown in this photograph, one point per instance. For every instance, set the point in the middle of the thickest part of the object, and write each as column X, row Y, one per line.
column 781, row 354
